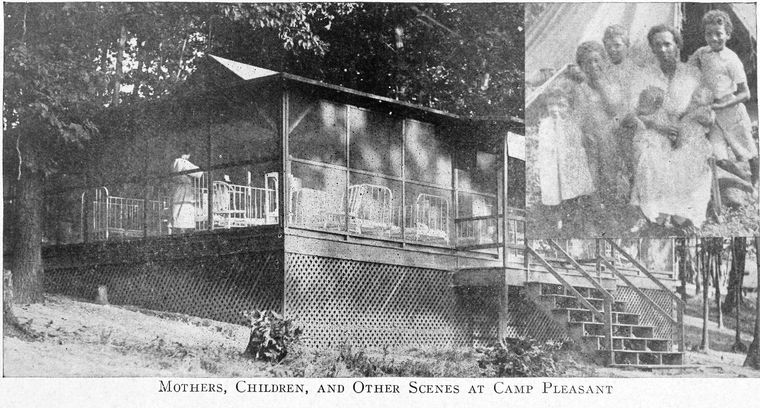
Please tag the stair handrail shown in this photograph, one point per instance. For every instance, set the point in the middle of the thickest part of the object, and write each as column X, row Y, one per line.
column 636, row 289
column 566, row 284
column 680, row 304
column 579, row 268
column 608, row 300
column 646, row 273
column 678, row 321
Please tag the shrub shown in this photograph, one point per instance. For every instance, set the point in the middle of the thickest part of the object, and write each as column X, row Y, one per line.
column 349, row 361
column 271, row 335
column 520, row 357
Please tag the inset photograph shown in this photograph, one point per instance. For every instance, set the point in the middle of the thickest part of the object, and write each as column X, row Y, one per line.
column 641, row 119
column 252, row 190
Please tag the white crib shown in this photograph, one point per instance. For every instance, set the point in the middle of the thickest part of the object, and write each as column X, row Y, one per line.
column 115, row 217
column 236, row 205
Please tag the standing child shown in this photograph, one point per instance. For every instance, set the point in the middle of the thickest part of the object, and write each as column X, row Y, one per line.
column 563, row 164
column 723, row 73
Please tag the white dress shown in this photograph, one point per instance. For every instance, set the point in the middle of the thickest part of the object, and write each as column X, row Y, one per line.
column 668, row 180
column 722, row 71
column 563, row 165
column 183, row 196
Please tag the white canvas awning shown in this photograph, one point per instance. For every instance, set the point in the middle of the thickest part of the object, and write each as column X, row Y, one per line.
column 551, row 41
column 244, row 71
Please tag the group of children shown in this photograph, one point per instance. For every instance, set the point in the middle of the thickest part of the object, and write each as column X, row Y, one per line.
column 716, row 120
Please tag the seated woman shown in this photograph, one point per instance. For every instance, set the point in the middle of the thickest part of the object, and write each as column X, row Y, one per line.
column 673, row 178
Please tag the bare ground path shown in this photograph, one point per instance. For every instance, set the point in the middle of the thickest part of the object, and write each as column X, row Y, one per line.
column 80, row 339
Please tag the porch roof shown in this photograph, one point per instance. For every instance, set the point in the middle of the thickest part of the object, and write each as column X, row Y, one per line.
column 252, row 74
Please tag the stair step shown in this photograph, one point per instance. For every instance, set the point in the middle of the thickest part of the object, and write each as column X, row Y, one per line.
column 552, row 289
column 630, row 343
column 618, row 330
column 662, row 358
column 569, row 301
column 585, row 315
column 675, row 368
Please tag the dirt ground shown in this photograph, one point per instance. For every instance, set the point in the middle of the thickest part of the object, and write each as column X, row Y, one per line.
column 79, row 339
column 84, row 340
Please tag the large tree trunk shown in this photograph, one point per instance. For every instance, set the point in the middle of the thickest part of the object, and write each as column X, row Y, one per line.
column 736, row 274
column 716, row 284
column 11, row 326
column 753, row 355
column 682, row 250
column 705, row 266
column 27, row 248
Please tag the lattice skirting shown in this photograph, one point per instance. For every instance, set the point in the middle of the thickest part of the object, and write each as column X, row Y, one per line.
column 525, row 319
column 649, row 317
column 369, row 304
column 214, row 287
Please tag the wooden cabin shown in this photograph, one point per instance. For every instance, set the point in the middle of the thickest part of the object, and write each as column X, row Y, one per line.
column 369, row 221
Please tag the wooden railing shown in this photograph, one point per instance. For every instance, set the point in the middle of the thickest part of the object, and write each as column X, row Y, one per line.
column 609, row 300
column 605, row 315
column 488, row 232
column 680, row 304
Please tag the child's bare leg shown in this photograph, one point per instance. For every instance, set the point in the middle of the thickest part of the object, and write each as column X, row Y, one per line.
column 753, row 168
column 732, row 168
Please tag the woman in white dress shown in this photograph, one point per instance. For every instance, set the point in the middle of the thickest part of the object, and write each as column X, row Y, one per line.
column 183, row 196
column 672, row 180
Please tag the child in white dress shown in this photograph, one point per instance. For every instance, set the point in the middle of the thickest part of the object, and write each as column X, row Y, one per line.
column 563, row 164
column 723, row 73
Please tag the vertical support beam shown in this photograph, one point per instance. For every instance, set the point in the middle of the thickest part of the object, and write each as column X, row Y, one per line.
column 283, row 195
column 146, row 201
column 526, row 260
column 505, row 248
column 403, row 183
column 504, row 197
column 680, row 335
column 285, row 273
column 597, row 256
column 209, row 176
column 610, row 354
column 347, row 139
column 455, row 197
column 83, row 213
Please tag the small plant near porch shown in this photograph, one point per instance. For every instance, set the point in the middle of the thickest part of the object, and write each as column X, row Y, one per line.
column 521, row 357
column 271, row 335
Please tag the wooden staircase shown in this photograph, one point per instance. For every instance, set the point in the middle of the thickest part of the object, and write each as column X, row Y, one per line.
column 602, row 325
column 633, row 344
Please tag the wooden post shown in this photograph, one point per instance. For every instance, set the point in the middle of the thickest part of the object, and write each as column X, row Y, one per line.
column 597, row 255
column 680, row 335
column 504, row 318
column 455, row 200
column 608, row 302
column 504, row 197
column 347, row 139
column 284, row 195
column 146, row 196
column 403, row 183
column 209, row 178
